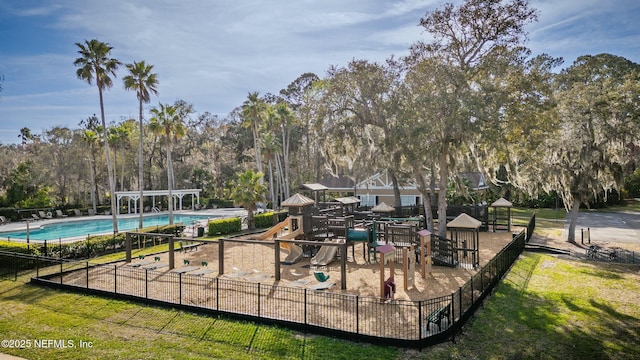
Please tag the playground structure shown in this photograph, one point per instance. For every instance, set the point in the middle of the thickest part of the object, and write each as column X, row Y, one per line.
column 318, row 237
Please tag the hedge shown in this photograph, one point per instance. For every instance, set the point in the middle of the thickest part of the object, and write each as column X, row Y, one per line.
column 224, row 226
column 264, row 220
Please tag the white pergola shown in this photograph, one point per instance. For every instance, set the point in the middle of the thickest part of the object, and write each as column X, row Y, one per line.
column 179, row 194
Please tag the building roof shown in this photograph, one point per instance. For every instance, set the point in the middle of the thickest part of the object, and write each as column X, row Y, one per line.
column 464, row 221
column 382, row 180
column 338, row 183
column 476, row 180
column 502, row 202
column 298, row 200
column 313, row 187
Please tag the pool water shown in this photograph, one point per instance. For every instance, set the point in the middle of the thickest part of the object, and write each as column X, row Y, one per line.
column 69, row 229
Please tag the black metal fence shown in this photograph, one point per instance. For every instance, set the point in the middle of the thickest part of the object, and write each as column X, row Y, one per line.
column 617, row 255
column 404, row 323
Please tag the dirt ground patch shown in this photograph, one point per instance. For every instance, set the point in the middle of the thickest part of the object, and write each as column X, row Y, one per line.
column 255, row 263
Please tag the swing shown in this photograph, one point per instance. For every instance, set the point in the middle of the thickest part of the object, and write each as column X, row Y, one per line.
column 320, row 276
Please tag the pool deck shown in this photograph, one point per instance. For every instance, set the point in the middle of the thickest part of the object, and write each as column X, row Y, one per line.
column 34, row 224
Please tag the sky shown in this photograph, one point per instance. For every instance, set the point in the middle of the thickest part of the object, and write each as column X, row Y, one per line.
column 213, row 53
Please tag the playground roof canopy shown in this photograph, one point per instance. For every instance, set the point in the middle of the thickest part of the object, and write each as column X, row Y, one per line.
column 382, row 207
column 502, row 202
column 347, row 200
column 464, row 221
column 298, row 200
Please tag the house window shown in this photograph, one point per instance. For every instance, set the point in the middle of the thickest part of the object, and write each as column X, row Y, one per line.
column 407, row 200
column 367, row 200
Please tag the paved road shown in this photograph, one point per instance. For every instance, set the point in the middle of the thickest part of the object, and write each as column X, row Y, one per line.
column 622, row 227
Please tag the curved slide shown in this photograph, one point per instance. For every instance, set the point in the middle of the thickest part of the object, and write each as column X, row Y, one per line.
column 295, row 254
column 295, row 251
column 324, row 256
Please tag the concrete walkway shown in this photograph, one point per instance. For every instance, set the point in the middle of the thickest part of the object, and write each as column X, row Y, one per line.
column 616, row 227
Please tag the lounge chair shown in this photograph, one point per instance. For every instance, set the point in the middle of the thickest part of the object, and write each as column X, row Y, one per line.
column 60, row 214
column 92, row 212
column 44, row 216
column 35, row 217
column 3, row 220
column 77, row 212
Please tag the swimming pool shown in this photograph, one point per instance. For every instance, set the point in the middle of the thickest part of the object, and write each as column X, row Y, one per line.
column 76, row 228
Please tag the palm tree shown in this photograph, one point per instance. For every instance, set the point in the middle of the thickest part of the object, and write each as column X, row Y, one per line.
column 247, row 190
column 253, row 113
column 287, row 121
column 142, row 81
column 119, row 138
column 167, row 123
column 91, row 138
column 96, row 64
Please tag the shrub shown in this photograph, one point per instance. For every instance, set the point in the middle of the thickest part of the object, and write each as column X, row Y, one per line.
column 224, row 226
column 98, row 245
column 264, row 220
column 19, row 247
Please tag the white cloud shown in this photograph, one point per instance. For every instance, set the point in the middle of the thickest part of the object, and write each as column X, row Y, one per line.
column 213, row 53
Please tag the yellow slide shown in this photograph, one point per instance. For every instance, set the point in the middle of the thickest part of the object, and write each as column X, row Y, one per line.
column 274, row 230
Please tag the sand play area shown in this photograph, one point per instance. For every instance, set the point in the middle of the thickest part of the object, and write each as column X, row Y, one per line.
column 255, row 263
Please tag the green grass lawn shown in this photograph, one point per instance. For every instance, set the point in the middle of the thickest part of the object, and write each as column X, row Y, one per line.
column 550, row 308
column 124, row 330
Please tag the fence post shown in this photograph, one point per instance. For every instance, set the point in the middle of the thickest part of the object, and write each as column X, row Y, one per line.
column 258, row 299
column 61, row 271
column 87, row 274
column 180, row 288
column 453, row 317
column 220, row 256
column 115, row 279
column 472, row 300
column 217, row 293
column 305, row 306
column 357, row 314
column 420, row 319
column 146, row 283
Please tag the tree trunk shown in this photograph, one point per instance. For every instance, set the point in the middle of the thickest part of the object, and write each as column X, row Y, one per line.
column 251, row 224
column 256, row 145
column 426, row 202
column 92, row 171
column 271, row 193
column 140, row 172
column 285, row 143
column 442, row 194
column 122, row 170
column 170, row 182
column 571, row 236
column 112, row 187
column 280, row 177
column 396, row 193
